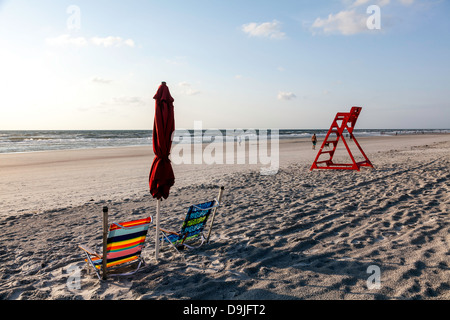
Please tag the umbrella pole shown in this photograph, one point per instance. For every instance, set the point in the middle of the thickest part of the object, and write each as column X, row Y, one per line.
column 158, row 205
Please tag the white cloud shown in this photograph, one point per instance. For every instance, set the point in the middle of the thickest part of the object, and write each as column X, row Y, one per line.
column 101, row 80
column 112, row 42
column 270, row 30
column 67, row 40
column 353, row 19
column 346, row 22
column 286, row 95
column 381, row 3
column 187, row 89
column 129, row 42
column 359, row 2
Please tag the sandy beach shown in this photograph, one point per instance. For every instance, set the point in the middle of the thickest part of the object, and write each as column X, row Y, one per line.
column 294, row 235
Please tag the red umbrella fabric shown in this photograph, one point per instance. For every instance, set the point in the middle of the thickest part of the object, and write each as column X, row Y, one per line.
column 161, row 174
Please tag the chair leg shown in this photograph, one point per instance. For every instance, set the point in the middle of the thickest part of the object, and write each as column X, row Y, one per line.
column 171, row 243
column 88, row 268
column 93, row 266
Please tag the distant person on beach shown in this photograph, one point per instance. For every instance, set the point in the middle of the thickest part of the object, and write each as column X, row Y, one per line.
column 314, row 141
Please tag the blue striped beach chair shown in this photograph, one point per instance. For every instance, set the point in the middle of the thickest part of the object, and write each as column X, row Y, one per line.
column 124, row 245
column 191, row 232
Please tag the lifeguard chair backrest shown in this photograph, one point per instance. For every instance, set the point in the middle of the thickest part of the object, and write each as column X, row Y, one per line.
column 354, row 114
column 348, row 119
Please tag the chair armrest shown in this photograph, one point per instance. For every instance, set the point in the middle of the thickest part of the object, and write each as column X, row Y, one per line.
column 90, row 251
column 168, row 231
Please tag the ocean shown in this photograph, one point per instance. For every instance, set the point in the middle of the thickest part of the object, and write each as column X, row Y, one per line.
column 44, row 140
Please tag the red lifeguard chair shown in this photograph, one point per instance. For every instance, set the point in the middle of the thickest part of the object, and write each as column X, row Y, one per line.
column 343, row 121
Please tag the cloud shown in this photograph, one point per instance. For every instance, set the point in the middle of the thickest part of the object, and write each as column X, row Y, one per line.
column 66, row 40
column 353, row 19
column 187, row 89
column 101, row 80
column 346, row 22
column 270, row 30
column 380, row 3
column 286, row 96
column 112, row 42
column 106, row 42
column 359, row 2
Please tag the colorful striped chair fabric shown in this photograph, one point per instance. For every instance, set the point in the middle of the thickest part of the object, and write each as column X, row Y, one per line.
column 124, row 246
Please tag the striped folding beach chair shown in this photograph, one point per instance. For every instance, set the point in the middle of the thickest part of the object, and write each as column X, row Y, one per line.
column 192, row 227
column 124, row 245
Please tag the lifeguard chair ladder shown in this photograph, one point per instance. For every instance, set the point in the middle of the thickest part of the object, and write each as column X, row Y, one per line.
column 342, row 121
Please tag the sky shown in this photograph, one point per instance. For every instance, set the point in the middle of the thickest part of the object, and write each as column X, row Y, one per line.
column 286, row 64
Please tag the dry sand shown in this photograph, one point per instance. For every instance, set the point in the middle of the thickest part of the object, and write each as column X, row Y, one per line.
column 294, row 235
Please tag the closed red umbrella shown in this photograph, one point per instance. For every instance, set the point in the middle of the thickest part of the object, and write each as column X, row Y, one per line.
column 161, row 177
column 161, row 174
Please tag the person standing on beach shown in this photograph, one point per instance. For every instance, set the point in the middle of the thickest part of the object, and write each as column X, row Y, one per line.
column 314, row 141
